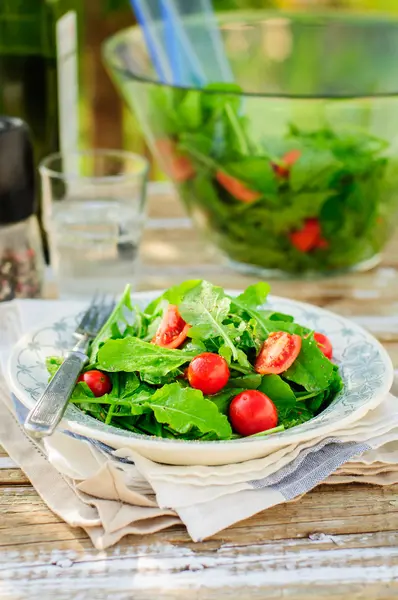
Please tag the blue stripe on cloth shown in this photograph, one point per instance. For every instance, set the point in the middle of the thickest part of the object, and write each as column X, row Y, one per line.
column 21, row 411
column 311, row 467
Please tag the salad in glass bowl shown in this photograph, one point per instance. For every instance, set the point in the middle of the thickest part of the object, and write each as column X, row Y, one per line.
column 292, row 168
column 199, row 364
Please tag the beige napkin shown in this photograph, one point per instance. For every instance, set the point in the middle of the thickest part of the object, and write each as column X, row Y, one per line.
column 112, row 510
column 112, row 496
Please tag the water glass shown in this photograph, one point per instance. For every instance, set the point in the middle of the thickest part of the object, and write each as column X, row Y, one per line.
column 93, row 214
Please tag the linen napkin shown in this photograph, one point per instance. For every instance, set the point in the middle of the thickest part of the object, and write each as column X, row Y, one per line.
column 114, row 493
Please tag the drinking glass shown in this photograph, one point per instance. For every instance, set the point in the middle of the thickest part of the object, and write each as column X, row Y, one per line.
column 93, row 214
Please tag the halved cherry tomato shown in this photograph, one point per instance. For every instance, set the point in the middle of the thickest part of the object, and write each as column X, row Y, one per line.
column 208, row 372
column 282, row 170
column 177, row 166
column 237, row 188
column 308, row 237
column 173, row 330
column 251, row 412
column 278, row 353
column 324, row 344
column 98, row 382
column 291, row 157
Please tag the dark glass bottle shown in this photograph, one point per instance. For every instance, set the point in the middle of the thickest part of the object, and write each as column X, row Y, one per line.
column 21, row 253
column 38, row 69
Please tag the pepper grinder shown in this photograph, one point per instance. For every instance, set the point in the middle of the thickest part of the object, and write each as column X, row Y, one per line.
column 21, row 250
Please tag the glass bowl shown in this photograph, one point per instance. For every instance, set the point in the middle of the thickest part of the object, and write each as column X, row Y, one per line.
column 292, row 170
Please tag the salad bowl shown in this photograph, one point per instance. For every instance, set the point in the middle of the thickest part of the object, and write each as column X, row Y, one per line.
column 364, row 365
column 291, row 169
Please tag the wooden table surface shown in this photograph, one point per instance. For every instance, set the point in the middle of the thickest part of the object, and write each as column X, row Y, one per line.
column 337, row 542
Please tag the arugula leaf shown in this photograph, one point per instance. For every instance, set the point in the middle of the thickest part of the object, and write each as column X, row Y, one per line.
column 223, row 399
column 297, row 416
column 226, row 352
column 82, row 391
column 273, row 315
column 270, row 325
column 246, row 382
column 195, row 142
column 177, row 293
column 190, row 110
column 132, row 354
column 85, row 399
column 213, row 103
column 268, row 431
column 256, row 171
column 129, row 383
column 314, row 168
column 52, row 364
column 311, row 369
column 185, row 408
column 243, row 362
column 205, row 307
column 112, row 326
column 280, row 393
column 254, row 296
column 314, row 404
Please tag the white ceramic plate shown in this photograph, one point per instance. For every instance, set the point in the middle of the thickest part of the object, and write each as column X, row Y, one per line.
column 365, row 367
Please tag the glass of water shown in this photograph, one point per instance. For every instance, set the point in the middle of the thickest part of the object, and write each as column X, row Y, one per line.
column 93, row 214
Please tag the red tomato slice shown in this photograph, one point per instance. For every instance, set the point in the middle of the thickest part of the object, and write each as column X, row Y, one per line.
column 324, row 344
column 307, row 238
column 173, row 330
column 177, row 166
column 283, row 170
column 208, row 372
column 291, row 157
column 237, row 188
column 98, row 382
column 252, row 411
column 278, row 353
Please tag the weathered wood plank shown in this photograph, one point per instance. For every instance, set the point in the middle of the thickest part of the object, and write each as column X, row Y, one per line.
column 328, row 509
column 338, row 567
column 12, row 476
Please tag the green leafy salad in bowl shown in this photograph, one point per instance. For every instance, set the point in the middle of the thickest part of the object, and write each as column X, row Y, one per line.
column 200, row 364
column 313, row 199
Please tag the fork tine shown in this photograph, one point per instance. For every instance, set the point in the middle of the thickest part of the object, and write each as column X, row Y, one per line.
column 98, row 311
column 109, row 305
column 87, row 315
column 101, row 315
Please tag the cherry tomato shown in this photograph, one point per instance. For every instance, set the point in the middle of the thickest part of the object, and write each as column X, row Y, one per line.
column 173, row 330
column 208, row 372
column 237, row 188
column 177, row 166
column 251, row 412
column 278, row 353
column 307, row 238
column 282, row 170
column 98, row 382
column 324, row 344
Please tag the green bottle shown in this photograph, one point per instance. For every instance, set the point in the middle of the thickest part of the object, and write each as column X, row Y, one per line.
column 39, row 69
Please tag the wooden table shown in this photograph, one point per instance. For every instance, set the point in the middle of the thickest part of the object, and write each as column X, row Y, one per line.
column 337, row 542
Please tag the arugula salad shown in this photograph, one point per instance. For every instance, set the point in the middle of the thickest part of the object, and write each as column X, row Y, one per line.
column 312, row 200
column 198, row 364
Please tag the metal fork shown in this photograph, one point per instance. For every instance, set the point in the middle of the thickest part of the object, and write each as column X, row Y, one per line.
column 49, row 410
